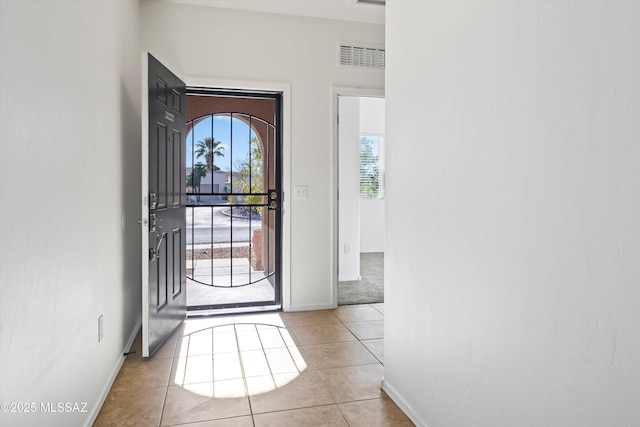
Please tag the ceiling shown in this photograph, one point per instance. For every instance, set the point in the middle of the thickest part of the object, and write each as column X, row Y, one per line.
column 344, row 10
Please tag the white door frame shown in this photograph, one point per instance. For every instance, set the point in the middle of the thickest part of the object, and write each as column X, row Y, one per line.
column 337, row 91
column 285, row 89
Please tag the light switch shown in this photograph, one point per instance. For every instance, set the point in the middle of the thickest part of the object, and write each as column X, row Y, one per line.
column 300, row 192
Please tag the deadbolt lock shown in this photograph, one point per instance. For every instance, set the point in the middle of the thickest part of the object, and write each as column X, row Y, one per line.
column 153, row 201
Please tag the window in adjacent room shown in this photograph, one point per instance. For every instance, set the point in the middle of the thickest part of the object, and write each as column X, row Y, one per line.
column 371, row 167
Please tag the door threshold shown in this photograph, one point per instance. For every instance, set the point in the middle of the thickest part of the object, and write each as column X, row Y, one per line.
column 232, row 310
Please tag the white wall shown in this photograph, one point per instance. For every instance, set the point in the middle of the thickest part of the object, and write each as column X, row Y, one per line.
column 372, row 121
column 70, row 244
column 372, row 115
column 245, row 46
column 521, row 275
column 372, row 226
column 349, row 188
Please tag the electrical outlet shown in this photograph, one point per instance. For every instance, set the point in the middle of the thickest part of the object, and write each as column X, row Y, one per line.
column 100, row 328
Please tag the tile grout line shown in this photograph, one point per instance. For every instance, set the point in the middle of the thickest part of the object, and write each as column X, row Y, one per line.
column 179, row 340
column 360, row 340
column 244, row 376
column 253, row 415
column 374, row 356
column 303, row 407
column 164, row 402
column 289, row 350
column 342, row 415
column 166, row 391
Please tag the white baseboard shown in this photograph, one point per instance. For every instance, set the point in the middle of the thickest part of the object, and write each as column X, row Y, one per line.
column 310, row 307
column 114, row 373
column 402, row 404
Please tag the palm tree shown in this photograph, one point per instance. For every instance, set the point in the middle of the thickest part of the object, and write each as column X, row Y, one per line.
column 209, row 148
column 194, row 177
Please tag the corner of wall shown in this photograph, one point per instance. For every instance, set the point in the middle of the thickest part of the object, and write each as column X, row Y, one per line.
column 114, row 373
column 402, row 404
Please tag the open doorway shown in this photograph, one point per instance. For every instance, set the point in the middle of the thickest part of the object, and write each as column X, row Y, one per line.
column 233, row 178
column 361, row 203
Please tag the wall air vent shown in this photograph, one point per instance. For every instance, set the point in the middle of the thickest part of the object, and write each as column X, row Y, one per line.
column 376, row 2
column 361, row 56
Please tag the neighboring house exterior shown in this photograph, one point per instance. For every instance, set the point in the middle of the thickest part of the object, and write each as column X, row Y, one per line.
column 214, row 182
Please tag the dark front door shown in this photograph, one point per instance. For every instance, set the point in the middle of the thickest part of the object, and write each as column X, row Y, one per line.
column 234, row 199
column 163, row 193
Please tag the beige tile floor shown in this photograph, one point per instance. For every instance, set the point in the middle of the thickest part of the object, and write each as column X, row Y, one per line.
column 316, row 368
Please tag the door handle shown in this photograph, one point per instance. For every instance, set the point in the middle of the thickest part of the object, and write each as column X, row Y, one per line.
column 159, row 238
column 154, row 253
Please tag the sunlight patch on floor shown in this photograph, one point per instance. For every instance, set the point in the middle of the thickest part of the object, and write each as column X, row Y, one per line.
column 238, row 357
